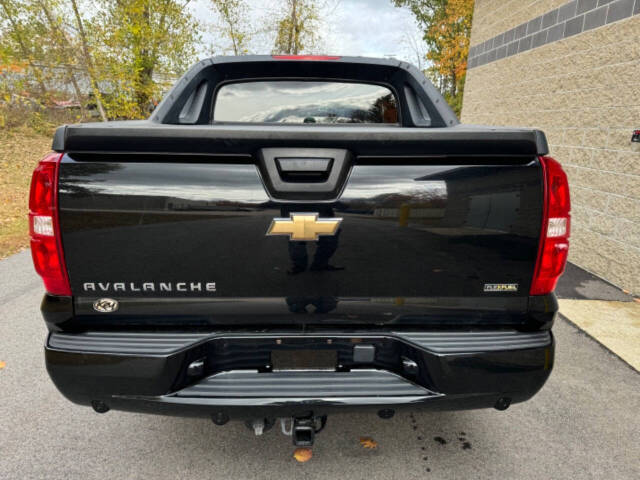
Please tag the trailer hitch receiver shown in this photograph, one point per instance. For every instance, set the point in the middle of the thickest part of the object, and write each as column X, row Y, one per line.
column 303, row 429
column 303, row 432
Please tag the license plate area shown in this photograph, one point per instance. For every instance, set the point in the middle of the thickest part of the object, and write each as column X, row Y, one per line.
column 304, row 359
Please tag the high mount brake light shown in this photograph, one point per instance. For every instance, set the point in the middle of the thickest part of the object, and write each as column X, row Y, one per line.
column 556, row 228
column 44, row 226
column 305, row 57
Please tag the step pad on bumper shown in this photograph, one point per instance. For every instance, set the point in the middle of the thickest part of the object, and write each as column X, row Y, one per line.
column 168, row 342
column 304, row 384
column 125, row 342
column 453, row 342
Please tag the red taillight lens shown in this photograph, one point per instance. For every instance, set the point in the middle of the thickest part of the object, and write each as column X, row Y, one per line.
column 305, row 57
column 556, row 227
column 44, row 228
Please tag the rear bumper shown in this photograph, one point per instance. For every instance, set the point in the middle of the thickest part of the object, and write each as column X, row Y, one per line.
column 149, row 372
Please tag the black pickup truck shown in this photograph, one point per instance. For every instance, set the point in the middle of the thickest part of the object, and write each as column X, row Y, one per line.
column 293, row 236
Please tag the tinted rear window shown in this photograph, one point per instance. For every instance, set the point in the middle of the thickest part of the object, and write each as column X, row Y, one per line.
column 305, row 102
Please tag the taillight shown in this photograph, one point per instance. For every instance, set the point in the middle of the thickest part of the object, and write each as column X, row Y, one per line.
column 44, row 228
column 556, row 225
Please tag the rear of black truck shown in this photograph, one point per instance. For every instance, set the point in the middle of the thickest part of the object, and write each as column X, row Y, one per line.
column 296, row 236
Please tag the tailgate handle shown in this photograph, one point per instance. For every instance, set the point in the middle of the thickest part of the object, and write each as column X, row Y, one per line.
column 292, row 165
column 304, row 174
column 304, row 170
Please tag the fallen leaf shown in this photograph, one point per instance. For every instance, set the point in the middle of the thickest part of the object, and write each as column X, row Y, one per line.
column 368, row 442
column 2, row 364
column 302, row 454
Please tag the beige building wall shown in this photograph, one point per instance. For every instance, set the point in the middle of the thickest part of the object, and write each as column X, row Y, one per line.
column 571, row 69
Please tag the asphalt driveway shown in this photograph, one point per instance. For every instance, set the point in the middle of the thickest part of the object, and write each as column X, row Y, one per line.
column 583, row 424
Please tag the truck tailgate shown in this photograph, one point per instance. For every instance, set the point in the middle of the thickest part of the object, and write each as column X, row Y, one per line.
column 419, row 234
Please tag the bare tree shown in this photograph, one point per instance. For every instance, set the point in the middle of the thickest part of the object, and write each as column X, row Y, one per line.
column 417, row 47
column 296, row 31
column 88, row 60
column 65, row 51
column 18, row 34
column 233, row 14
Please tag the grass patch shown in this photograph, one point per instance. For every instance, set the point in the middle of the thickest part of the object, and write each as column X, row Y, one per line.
column 20, row 151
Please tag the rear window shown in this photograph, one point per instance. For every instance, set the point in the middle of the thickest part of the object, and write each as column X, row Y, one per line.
column 305, row 102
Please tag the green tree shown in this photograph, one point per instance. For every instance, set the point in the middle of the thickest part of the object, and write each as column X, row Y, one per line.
column 140, row 46
column 446, row 25
column 233, row 14
column 296, row 29
column 21, row 40
column 127, row 51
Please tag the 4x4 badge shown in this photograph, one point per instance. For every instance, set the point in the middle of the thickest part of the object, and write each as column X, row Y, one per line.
column 105, row 305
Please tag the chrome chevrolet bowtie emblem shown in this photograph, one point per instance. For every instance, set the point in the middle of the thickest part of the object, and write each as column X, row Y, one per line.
column 304, row 226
